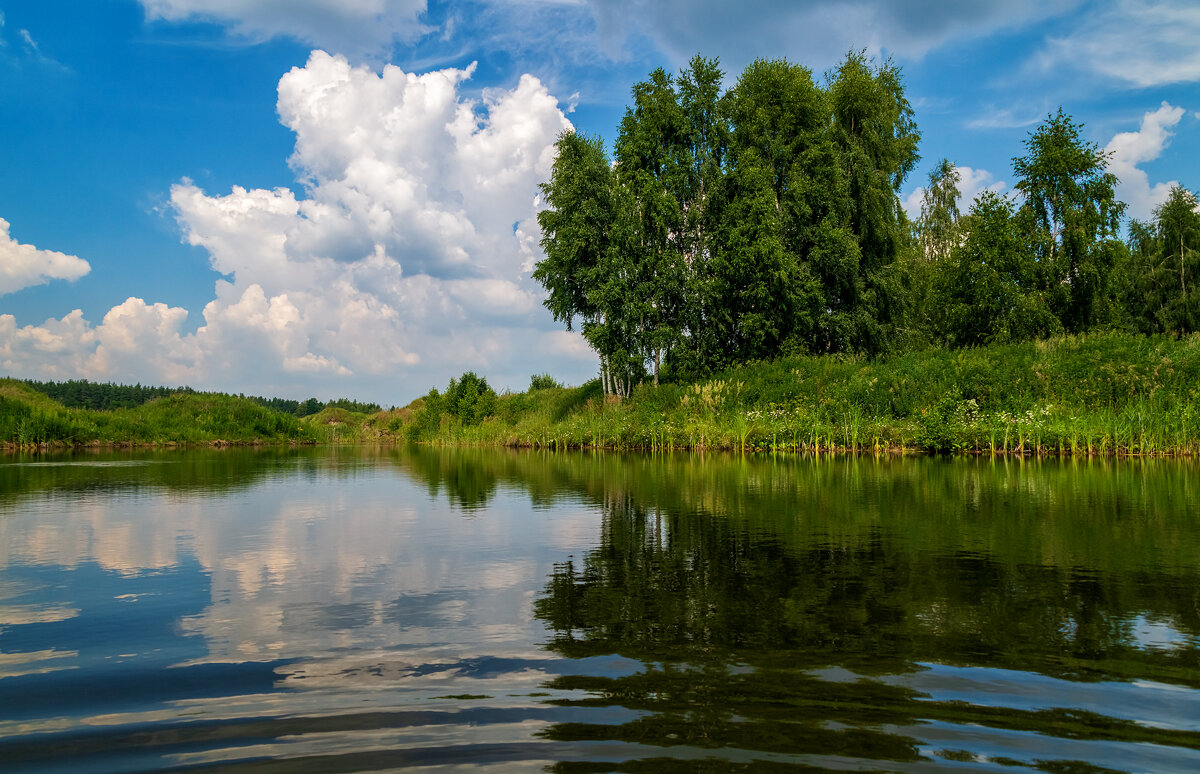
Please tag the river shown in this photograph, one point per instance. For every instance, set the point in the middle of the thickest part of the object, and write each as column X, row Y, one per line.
column 352, row 609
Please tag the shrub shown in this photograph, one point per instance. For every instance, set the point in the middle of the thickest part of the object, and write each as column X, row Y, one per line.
column 470, row 398
column 542, row 382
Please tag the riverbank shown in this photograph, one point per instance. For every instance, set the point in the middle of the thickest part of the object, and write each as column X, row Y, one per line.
column 1106, row 394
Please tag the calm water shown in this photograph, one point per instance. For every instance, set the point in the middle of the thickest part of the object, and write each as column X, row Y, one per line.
column 353, row 610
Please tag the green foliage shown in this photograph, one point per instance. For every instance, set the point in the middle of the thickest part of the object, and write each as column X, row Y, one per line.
column 733, row 227
column 80, row 393
column 543, row 382
column 937, row 229
column 29, row 419
column 308, row 407
column 354, row 406
column 467, row 402
column 987, row 284
column 1072, row 216
column 469, row 399
column 1113, row 393
column 1165, row 266
column 428, row 417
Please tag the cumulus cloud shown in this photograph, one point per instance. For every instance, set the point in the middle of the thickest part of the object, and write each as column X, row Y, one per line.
column 54, row 350
column 1139, row 42
column 405, row 260
column 1128, row 150
column 22, row 266
column 405, row 238
column 367, row 27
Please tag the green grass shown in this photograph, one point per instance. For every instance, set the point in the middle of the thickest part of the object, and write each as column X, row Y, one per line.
column 1103, row 394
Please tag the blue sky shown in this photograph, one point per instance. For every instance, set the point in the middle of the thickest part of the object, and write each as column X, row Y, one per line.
column 338, row 197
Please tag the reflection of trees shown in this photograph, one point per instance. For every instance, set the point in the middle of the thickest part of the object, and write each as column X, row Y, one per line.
column 732, row 607
column 468, row 476
column 200, row 471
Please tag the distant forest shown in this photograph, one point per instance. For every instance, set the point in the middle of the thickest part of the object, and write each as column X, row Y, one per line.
column 765, row 221
column 106, row 396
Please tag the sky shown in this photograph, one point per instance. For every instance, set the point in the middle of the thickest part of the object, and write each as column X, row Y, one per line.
column 338, row 198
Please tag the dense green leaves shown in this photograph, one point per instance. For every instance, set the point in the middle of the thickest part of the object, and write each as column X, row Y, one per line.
column 736, row 226
column 985, row 282
column 766, row 221
column 1165, row 266
column 1073, row 216
column 937, row 228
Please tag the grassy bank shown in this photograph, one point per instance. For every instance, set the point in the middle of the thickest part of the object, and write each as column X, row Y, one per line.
column 1110, row 394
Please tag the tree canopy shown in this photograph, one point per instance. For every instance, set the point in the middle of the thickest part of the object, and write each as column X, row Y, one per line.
column 766, row 220
column 732, row 226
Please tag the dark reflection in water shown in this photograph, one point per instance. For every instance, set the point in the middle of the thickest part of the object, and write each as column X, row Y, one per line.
column 333, row 610
column 739, row 616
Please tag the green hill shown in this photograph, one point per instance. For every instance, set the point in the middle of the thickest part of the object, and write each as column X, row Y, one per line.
column 30, row 419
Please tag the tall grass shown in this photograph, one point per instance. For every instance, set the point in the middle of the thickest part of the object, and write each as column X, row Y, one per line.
column 1107, row 394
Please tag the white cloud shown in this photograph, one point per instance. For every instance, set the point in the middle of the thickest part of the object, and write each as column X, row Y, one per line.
column 366, row 27
column 812, row 31
column 973, row 183
column 1138, row 42
column 22, row 266
column 140, row 342
column 1129, row 150
column 54, row 350
column 1007, row 118
column 405, row 262
column 403, row 252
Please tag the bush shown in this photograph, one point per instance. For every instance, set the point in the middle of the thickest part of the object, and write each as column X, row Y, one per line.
column 542, row 382
column 470, row 398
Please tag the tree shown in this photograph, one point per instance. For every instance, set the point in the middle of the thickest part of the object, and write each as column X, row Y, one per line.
column 653, row 164
column 762, row 293
column 1165, row 261
column 469, row 398
column 937, row 227
column 309, row 407
column 1179, row 232
column 586, row 235
column 577, row 229
column 736, row 226
column 988, row 284
column 1072, row 216
column 875, row 129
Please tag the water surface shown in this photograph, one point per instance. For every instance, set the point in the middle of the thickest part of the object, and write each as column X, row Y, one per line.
column 344, row 610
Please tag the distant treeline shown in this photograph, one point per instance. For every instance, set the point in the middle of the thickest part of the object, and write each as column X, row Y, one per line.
column 107, row 396
column 304, row 408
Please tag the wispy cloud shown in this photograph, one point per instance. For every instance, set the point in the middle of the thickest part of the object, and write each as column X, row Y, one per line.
column 812, row 31
column 1006, row 118
column 1140, row 43
column 361, row 28
column 28, row 50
